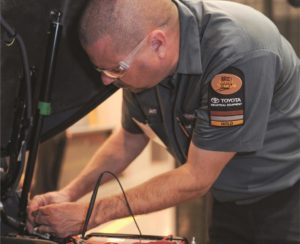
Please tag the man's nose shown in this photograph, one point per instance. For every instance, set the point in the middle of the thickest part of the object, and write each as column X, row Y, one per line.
column 107, row 80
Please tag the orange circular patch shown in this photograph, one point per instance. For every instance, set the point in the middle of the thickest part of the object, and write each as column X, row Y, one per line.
column 226, row 84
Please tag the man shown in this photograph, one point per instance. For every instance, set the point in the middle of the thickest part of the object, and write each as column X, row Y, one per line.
column 220, row 87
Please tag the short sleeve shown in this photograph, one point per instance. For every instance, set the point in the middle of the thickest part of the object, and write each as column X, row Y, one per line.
column 260, row 71
column 130, row 109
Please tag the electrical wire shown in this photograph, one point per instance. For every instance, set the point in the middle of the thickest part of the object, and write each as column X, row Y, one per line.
column 29, row 114
column 93, row 199
column 24, row 55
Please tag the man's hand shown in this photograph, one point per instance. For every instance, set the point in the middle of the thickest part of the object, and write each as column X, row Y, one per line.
column 53, row 212
column 40, row 201
column 60, row 219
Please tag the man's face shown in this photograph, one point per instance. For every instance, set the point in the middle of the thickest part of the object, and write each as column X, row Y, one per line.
column 135, row 70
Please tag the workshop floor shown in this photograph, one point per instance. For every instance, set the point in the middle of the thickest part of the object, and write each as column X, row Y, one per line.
column 79, row 150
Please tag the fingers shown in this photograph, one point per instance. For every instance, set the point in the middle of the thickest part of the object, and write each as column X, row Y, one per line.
column 41, row 222
column 46, row 221
column 33, row 210
column 38, row 201
column 34, row 205
column 29, row 226
column 30, row 220
column 46, row 229
column 62, row 219
column 36, row 218
column 43, row 229
column 41, row 219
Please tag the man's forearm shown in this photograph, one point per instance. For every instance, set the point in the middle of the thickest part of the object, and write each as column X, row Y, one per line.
column 160, row 192
column 188, row 181
column 114, row 155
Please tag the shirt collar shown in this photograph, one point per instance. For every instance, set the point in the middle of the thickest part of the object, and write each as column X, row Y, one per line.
column 190, row 53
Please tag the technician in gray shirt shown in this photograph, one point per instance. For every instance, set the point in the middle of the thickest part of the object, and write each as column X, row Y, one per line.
column 217, row 84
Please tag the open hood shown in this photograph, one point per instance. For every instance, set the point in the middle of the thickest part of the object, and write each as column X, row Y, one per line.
column 77, row 87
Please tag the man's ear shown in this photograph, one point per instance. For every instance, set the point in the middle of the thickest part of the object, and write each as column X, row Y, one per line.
column 159, row 42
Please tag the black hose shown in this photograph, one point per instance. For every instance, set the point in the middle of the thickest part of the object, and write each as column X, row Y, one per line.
column 93, row 199
column 24, row 55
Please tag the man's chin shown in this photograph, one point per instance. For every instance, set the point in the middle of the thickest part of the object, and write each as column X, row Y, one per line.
column 135, row 90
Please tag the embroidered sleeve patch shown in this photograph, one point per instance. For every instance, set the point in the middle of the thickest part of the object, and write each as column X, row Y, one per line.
column 226, row 99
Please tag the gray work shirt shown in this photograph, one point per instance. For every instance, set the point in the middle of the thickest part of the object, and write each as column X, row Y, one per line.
column 222, row 42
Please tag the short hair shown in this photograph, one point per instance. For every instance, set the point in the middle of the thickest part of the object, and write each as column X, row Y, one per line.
column 126, row 21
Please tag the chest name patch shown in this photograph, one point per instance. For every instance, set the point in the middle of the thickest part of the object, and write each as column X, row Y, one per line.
column 226, row 100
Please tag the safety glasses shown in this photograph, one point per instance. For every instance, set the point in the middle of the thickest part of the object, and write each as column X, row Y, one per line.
column 119, row 71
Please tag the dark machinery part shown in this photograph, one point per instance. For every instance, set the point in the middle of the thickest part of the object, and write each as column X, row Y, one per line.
column 73, row 74
column 44, row 107
column 13, row 155
column 16, row 149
